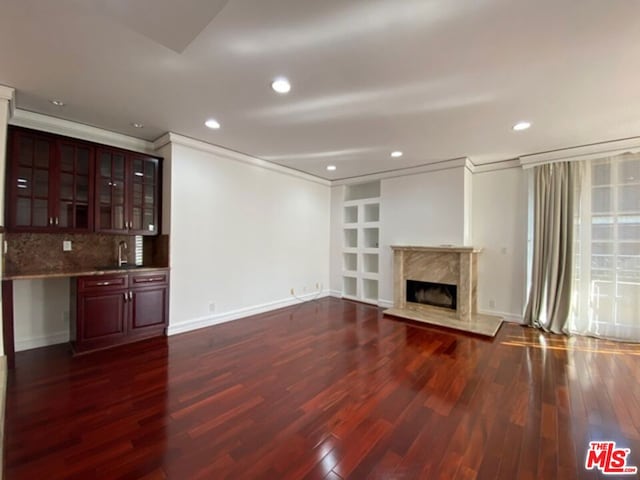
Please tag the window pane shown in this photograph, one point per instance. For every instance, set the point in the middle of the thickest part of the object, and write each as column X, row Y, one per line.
column 601, row 200
column 629, row 198
column 601, row 174
column 629, row 171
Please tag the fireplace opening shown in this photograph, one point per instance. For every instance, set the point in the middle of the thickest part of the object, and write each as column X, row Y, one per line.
column 435, row 294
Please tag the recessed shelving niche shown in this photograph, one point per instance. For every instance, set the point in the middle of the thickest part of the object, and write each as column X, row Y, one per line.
column 361, row 246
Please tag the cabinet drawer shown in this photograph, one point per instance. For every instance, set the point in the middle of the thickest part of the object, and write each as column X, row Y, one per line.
column 149, row 278
column 103, row 282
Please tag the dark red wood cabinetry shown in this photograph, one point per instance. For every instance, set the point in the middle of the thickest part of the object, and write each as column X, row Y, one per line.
column 50, row 183
column 108, row 310
column 60, row 184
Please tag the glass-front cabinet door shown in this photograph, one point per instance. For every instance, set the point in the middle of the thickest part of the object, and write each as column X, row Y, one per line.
column 33, row 159
column 144, row 195
column 75, row 187
column 111, row 206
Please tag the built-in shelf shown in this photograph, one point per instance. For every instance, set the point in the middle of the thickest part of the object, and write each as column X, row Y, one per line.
column 371, row 212
column 361, row 248
column 350, row 261
column 370, row 262
column 351, row 214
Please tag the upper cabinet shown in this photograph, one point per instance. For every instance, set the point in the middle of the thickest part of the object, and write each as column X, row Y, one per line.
column 59, row 184
column 127, row 192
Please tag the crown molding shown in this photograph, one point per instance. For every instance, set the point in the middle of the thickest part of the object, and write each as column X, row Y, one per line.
column 8, row 94
column 221, row 152
column 584, row 152
column 462, row 162
column 59, row 126
column 496, row 166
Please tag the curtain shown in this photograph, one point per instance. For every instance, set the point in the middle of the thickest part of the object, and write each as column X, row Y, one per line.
column 556, row 199
column 606, row 293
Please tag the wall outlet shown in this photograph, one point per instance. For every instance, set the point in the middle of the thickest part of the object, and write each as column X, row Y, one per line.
column 66, row 245
column 292, row 292
column 492, row 304
column 212, row 307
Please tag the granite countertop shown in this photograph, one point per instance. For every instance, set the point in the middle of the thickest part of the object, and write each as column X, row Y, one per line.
column 76, row 273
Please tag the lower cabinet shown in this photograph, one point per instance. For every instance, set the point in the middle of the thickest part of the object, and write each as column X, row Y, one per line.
column 108, row 310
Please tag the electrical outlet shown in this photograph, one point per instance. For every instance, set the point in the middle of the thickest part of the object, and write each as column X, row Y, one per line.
column 317, row 286
column 66, row 245
column 292, row 292
column 492, row 304
column 212, row 306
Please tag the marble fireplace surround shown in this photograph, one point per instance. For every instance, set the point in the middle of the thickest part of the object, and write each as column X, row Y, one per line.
column 441, row 264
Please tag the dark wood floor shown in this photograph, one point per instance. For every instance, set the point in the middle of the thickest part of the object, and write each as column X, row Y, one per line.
column 326, row 390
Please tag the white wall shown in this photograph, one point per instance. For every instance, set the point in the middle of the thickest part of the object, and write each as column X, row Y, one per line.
column 41, row 312
column 336, row 215
column 422, row 209
column 241, row 237
column 500, row 228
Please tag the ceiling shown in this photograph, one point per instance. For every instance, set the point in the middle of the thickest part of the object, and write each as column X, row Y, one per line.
column 436, row 79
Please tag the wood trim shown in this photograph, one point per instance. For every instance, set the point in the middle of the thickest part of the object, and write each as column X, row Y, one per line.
column 7, row 323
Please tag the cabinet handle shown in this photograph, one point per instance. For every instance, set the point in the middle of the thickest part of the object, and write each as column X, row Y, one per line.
column 130, row 296
column 103, row 284
column 50, row 220
column 57, row 221
column 125, row 297
column 146, row 280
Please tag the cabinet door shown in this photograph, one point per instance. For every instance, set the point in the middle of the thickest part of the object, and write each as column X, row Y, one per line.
column 101, row 319
column 148, row 310
column 111, row 206
column 30, row 207
column 144, row 195
column 74, row 187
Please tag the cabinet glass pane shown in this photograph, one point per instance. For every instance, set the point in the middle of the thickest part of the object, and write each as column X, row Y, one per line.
column 26, row 152
column 82, row 216
column 82, row 161
column 105, row 165
column 66, row 158
column 41, row 183
column 149, row 172
column 41, row 158
column 148, row 195
column 105, row 216
column 118, row 167
column 147, row 221
column 118, row 217
column 66, row 186
column 105, row 191
column 23, row 212
column 117, row 192
column 40, row 213
column 24, row 181
column 138, row 172
column 137, row 218
column 82, row 189
column 66, row 214
column 137, row 194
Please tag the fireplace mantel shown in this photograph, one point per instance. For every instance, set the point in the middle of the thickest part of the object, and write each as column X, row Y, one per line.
column 439, row 248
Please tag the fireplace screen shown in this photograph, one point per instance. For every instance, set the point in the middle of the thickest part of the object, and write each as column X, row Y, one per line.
column 436, row 294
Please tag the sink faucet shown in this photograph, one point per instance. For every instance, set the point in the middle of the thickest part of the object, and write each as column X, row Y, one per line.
column 122, row 247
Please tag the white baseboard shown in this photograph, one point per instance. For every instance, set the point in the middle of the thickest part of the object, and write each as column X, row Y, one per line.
column 43, row 341
column 335, row 293
column 508, row 317
column 385, row 303
column 209, row 321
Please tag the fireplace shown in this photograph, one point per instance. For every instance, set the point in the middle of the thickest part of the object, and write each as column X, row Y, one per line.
column 431, row 293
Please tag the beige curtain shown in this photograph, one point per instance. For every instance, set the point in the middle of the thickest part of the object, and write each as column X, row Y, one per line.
column 556, row 198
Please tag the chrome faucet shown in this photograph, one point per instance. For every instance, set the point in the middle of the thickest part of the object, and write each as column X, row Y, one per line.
column 122, row 247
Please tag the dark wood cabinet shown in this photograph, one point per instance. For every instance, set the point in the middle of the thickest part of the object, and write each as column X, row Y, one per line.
column 60, row 184
column 108, row 310
column 127, row 193
column 50, row 184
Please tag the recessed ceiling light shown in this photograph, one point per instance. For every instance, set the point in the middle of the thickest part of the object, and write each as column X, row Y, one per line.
column 331, row 168
column 518, row 127
column 212, row 123
column 137, row 125
column 396, row 154
column 281, row 85
column 57, row 103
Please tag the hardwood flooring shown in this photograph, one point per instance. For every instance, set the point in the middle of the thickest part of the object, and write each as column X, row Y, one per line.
column 325, row 390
